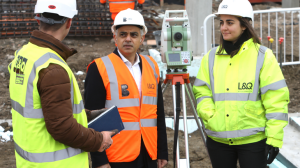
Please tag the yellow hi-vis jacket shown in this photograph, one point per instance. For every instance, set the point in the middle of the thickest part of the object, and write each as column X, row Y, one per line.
column 242, row 99
column 34, row 146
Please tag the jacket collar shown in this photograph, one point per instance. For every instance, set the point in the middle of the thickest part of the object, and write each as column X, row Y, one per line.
column 117, row 53
column 243, row 48
column 45, row 40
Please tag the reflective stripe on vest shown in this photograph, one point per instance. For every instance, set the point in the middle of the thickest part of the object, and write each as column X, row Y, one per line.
column 235, row 134
column 77, row 108
column 235, row 97
column 201, row 98
column 199, row 82
column 147, row 99
column 121, row 1
column 48, row 156
column 277, row 116
column 130, row 126
column 254, row 96
column 17, row 52
column 114, row 90
column 273, row 86
column 28, row 111
column 152, row 65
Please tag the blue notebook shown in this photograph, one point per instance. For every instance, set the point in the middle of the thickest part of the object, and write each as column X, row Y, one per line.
column 110, row 120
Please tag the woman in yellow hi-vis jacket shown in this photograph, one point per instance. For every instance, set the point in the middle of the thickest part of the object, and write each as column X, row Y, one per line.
column 241, row 94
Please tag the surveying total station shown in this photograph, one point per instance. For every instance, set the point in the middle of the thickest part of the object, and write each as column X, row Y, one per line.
column 176, row 52
column 175, row 41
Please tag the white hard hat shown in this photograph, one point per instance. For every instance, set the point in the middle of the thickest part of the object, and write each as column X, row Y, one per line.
column 242, row 8
column 129, row 17
column 66, row 8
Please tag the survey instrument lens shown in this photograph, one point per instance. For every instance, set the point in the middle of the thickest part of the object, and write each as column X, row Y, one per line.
column 178, row 36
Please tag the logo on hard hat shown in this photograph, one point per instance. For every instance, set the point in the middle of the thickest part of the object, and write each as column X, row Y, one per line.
column 51, row 7
column 125, row 19
column 225, row 6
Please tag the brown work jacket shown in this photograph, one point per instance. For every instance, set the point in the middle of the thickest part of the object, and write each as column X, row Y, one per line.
column 54, row 89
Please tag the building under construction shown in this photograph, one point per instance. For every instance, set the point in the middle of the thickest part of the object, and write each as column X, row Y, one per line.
column 93, row 19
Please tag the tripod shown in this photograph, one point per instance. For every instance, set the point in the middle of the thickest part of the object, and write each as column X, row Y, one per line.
column 182, row 80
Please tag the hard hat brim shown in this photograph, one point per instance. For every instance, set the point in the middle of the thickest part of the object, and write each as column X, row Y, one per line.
column 113, row 28
column 224, row 13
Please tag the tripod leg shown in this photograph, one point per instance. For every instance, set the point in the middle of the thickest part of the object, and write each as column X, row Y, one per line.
column 164, row 87
column 200, row 124
column 186, row 138
column 177, row 144
column 191, row 91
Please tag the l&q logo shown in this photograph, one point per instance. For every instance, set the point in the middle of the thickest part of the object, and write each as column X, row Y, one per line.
column 245, row 86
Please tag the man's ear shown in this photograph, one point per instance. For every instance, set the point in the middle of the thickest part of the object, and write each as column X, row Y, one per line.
column 69, row 23
column 115, row 37
column 142, row 39
column 38, row 15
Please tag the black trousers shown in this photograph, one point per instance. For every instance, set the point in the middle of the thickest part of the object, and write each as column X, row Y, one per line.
column 249, row 155
column 142, row 161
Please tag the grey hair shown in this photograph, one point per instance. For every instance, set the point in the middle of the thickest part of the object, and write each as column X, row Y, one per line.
column 142, row 32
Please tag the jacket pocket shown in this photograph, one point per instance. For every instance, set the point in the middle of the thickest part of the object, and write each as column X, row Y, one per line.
column 211, row 123
column 253, row 110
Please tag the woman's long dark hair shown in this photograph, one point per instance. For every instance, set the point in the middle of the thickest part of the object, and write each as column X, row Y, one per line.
column 244, row 22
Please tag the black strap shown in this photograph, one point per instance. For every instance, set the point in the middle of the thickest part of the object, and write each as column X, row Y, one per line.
column 50, row 21
column 178, row 110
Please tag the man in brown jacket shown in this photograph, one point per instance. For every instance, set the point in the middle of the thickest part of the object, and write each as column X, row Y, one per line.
column 54, row 89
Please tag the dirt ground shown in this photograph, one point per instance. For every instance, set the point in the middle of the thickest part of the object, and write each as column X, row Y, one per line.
column 91, row 48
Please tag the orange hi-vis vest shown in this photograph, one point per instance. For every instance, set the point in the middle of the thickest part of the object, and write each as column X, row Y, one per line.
column 139, row 114
column 116, row 6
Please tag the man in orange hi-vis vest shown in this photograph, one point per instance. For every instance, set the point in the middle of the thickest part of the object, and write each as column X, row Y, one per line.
column 115, row 6
column 131, row 82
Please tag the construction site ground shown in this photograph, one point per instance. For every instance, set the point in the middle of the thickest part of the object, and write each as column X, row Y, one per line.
column 90, row 48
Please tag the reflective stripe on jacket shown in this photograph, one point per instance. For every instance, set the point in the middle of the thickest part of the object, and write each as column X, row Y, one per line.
column 34, row 146
column 139, row 115
column 242, row 99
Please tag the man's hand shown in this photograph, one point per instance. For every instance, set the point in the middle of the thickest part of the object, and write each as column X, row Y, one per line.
column 161, row 163
column 107, row 141
column 272, row 152
column 104, row 166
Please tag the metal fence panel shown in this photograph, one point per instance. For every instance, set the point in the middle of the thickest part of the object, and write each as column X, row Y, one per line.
column 282, row 22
